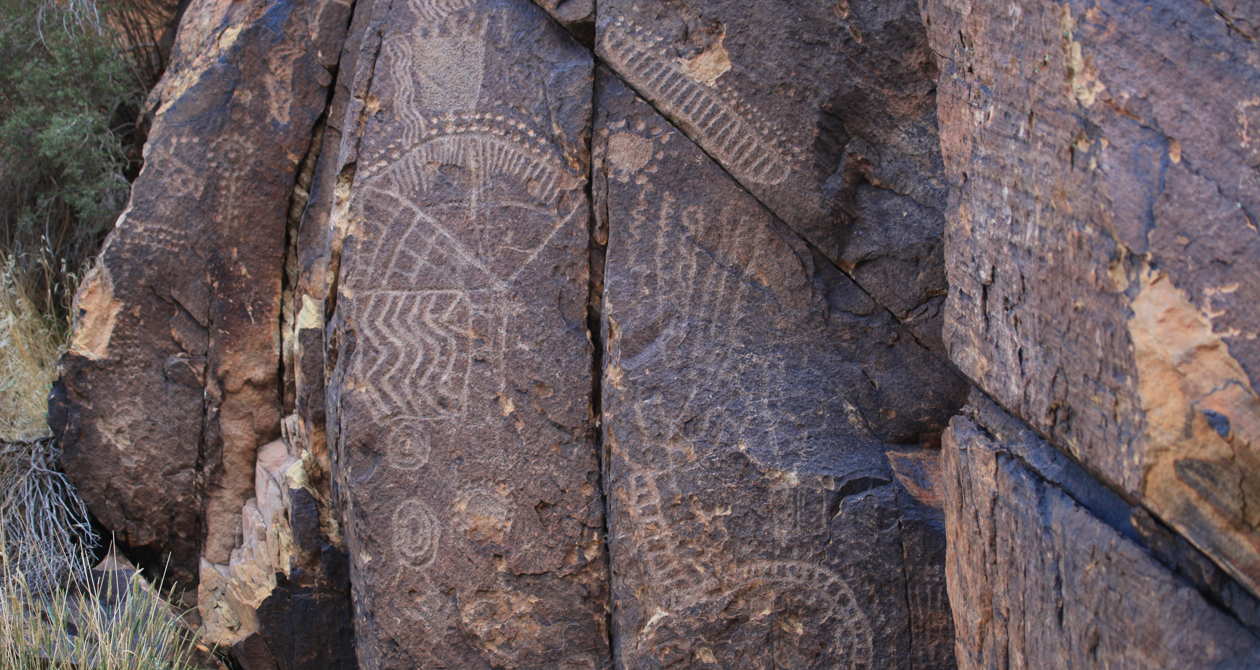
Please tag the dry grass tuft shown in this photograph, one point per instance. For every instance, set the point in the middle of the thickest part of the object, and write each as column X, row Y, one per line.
column 100, row 619
column 43, row 523
column 30, row 342
column 56, row 611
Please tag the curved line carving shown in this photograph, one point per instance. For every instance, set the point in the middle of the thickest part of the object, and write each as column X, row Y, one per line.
column 494, row 143
column 733, row 137
column 416, row 533
column 436, row 10
column 854, row 638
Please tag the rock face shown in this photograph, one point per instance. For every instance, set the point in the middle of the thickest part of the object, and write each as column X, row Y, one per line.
column 578, row 335
column 824, row 112
column 750, row 390
column 461, row 398
column 1100, row 248
column 1038, row 578
column 1102, row 253
column 172, row 383
column 171, row 378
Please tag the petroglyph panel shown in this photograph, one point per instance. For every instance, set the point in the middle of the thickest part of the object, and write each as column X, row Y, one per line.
column 460, row 329
column 749, row 390
column 796, row 105
column 186, row 384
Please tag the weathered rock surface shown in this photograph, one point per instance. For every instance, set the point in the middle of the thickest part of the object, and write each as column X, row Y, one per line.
column 171, row 380
column 1046, row 576
column 173, row 398
column 460, row 409
column 750, row 393
column 1102, row 249
column 825, row 112
column 425, row 343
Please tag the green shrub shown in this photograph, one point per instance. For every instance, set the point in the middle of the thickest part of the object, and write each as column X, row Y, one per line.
column 69, row 98
column 71, row 85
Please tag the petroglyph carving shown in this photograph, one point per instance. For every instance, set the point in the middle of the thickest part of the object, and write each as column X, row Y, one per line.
column 179, row 179
column 431, row 11
column 816, row 595
column 699, row 270
column 281, row 64
column 416, row 533
column 701, row 275
column 419, row 351
column 422, row 602
column 410, row 444
column 1248, row 112
column 676, row 582
column 183, row 181
column 494, row 145
column 442, row 204
column 449, row 82
column 450, row 206
column 726, row 127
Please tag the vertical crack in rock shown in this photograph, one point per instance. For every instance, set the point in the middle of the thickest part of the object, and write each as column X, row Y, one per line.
column 184, row 383
column 906, row 569
column 578, row 18
column 313, row 592
column 597, row 189
column 282, row 575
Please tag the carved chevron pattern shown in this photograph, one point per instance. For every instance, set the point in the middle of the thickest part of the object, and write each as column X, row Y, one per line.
column 416, row 351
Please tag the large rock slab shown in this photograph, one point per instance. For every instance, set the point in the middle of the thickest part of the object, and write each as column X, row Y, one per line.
column 1043, row 575
column 460, row 407
column 750, row 395
column 171, row 381
column 824, row 111
column 1103, row 250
